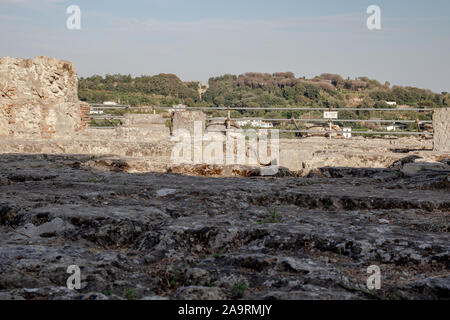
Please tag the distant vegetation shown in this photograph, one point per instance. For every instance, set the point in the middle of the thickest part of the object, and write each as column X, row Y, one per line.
column 162, row 89
column 256, row 90
column 279, row 90
column 326, row 90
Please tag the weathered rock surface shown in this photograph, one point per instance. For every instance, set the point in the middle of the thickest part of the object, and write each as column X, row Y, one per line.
column 158, row 236
column 140, row 227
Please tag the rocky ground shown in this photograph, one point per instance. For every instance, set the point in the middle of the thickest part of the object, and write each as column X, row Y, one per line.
column 178, row 236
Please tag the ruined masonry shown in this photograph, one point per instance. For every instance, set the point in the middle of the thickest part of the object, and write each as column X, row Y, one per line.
column 441, row 126
column 39, row 99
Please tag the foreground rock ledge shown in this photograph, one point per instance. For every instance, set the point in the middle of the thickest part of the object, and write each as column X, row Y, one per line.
column 172, row 236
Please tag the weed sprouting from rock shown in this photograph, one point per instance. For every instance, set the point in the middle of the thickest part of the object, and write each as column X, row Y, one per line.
column 238, row 289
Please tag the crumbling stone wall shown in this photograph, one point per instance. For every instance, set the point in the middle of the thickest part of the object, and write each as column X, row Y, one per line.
column 143, row 120
column 39, row 99
column 186, row 119
column 142, row 127
column 441, row 126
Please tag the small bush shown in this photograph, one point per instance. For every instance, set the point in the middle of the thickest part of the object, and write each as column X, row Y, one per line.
column 238, row 289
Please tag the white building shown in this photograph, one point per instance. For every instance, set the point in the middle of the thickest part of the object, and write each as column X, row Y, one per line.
column 96, row 112
column 391, row 103
column 109, row 103
column 266, row 125
column 390, row 128
column 178, row 108
column 242, row 123
column 261, row 124
column 254, row 123
column 396, row 126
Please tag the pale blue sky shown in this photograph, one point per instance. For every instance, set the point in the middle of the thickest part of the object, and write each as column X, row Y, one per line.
column 197, row 39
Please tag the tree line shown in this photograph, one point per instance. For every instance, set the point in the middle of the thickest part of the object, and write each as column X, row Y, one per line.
column 253, row 89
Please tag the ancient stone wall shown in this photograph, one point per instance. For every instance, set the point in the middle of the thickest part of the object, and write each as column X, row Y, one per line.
column 186, row 119
column 143, row 120
column 142, row 127
column 441, row 126
column 39, row 99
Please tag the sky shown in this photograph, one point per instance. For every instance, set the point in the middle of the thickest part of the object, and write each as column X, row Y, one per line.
column 199, row 39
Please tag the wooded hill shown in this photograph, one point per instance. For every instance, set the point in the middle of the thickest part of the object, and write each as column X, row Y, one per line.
column 281, row 89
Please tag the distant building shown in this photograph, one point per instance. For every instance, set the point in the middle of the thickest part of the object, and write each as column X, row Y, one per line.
column 397, row 126
column 242, row 123
column 254, row 123
column 390, row 128
column 178, row 108
column 261, row 124
column 109, row 103
column 266, row 125
column 96, row 112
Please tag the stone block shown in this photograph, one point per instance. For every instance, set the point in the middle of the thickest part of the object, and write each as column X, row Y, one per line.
column 143, row 120
column 39, row 99
column 186, row 120
column 441, row 126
